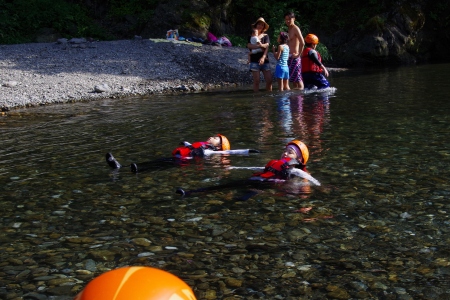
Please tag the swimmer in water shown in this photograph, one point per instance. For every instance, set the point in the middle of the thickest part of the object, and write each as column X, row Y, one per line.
column 292, row 163
column 217, row 144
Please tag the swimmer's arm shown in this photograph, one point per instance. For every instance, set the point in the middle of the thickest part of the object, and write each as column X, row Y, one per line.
column 303, row 174
column 236, row 151
column 312, row 54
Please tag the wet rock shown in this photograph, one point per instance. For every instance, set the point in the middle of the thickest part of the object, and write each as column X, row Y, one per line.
column 141, row 242
column 90, row 265
column 233, row 282
column 335, row 292
column 80, row 240
column 432, row 293
column 10, row 84
column 102, row 88
column 44, row 278
column 15, row 261
column 359, row 286
column 59, row 281
column 103, row 255
column 77, row 40
column 34, row 296
column 60, row 290
column 210, row 294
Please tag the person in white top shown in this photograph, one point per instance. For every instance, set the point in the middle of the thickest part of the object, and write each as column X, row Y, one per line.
column 254, row 40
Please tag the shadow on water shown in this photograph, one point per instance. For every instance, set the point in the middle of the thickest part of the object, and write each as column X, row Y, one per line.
column 377, row 227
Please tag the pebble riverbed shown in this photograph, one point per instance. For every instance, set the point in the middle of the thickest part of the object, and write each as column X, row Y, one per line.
column 74, row 70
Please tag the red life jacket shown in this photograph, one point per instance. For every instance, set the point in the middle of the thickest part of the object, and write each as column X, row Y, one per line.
column 308, row 65
column 186, row 151
column 276, row 169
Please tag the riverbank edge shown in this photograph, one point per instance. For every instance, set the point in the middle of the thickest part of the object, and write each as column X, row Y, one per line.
column 52, row 73
column 78, row 70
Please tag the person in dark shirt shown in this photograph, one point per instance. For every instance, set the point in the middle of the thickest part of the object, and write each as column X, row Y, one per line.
column 259, row 62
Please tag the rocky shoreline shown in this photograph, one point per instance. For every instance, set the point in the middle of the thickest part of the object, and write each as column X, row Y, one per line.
column 80, row 70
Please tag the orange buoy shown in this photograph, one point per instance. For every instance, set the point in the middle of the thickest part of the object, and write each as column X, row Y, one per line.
column 136, row 283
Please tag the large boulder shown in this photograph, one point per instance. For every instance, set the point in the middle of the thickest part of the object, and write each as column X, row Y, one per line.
column 392, row 38
column 192, row 20
column 47, row 35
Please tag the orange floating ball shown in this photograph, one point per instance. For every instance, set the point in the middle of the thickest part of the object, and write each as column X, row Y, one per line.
column 136, row 283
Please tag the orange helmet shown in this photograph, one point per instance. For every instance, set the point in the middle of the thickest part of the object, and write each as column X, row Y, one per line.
column 311, row 39
column 303, row 149
column 225, row 142
column 136, row 283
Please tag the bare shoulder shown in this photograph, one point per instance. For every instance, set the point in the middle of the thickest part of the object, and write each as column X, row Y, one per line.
column 296, row 30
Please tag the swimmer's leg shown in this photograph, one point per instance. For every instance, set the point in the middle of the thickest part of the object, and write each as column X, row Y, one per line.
column 247, row 195
column 233, row 184
column 158, row 164
column 112, row 162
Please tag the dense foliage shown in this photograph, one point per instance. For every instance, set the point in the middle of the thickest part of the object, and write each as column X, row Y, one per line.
column 21, row 20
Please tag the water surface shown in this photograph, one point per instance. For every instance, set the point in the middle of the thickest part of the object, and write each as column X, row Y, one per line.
column 378, row 226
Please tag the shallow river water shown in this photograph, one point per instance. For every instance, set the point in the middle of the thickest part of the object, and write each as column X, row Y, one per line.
column 376, row 228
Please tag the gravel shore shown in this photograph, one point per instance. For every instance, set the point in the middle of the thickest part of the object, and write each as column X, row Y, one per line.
column 76, row 70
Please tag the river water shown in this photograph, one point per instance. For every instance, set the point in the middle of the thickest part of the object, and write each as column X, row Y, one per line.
column 376, row 228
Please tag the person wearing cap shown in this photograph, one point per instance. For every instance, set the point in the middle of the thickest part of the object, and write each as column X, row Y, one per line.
column 259, row 61
column 313, row 70
column 296, row 44
column 218, row 144
column 291, row 163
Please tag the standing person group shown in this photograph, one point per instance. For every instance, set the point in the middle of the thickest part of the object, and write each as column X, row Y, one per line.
column 291, row 47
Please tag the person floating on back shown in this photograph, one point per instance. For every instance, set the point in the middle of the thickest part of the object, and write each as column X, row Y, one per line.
column 213, row 143
column 312, row 66
column 281, row 55
column 218, row 144
column 292, row 163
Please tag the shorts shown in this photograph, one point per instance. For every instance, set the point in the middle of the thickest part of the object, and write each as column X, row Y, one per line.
column 281, row 72
column 295, row 69
column 256, row 67
column 315, row 79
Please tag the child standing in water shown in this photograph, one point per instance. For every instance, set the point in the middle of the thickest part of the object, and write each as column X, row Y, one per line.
column 254, row 40
column 282, row 55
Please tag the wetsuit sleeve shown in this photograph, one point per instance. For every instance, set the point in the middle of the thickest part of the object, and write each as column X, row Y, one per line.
column 312, row 54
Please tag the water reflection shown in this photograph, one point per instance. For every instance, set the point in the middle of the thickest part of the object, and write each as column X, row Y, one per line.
column 305, row 117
